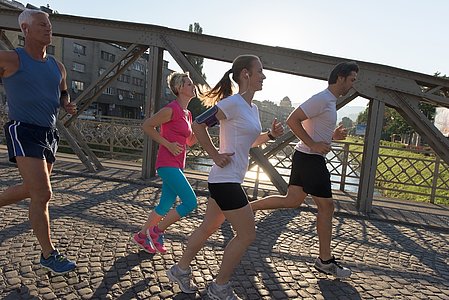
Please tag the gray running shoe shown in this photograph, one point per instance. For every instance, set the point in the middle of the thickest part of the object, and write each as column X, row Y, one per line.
column 184, row 280
column 221, row 293
column 332, row 268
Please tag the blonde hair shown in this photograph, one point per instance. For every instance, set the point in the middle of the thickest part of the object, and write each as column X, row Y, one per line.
column 176, row 81
column 225, row 88
column 26, row 16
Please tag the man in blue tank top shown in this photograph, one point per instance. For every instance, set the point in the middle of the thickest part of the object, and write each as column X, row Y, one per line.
column 36, row 87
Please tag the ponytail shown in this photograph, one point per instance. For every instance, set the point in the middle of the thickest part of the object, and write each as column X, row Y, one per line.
column 224, row 88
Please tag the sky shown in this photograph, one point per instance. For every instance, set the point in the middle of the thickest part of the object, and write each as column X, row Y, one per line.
column 406, row 34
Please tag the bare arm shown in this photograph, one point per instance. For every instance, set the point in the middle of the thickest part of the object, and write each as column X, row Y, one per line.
column 276, row 131
column 201, row 133
column 9, row 63
column 294, row 121
column 149, row 127
column 65, row 97
column 191, row 140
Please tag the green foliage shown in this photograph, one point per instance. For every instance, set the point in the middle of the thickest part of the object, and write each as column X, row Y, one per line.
column 195, row 106
column 362, row 118
column 347, row 122
column 404, row 174
column 196, row 61
column 394, row 123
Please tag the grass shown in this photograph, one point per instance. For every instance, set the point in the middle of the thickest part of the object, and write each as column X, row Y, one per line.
column 405, row 174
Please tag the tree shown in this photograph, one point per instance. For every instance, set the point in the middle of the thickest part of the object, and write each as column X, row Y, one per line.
column 195, row 105
column 196, row 61
column 394, row 123
column 347, row 122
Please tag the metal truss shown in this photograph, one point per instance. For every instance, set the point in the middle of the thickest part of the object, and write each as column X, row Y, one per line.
column 382, row 85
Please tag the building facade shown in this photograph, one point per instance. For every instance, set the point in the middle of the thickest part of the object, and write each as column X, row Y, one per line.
column 85, row 61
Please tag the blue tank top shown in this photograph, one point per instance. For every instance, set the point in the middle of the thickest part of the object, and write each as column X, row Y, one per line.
column 33, row 90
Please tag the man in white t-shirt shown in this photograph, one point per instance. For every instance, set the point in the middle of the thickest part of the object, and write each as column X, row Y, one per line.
column 313, row 122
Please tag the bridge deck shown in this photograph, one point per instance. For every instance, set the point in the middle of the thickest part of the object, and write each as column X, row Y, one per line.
column 398, row 251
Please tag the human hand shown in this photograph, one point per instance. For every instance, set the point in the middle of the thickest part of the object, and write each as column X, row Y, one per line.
column 175, row 148
column 277, row 129
column 222, row 159
column 70, row 108
column 340, row 133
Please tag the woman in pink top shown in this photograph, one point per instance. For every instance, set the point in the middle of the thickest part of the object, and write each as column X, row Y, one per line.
column 175, row 134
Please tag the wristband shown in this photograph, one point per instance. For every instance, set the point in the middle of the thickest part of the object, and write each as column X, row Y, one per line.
column 270, row 136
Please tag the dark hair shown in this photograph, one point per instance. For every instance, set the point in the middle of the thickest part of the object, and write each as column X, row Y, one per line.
column 224, row 87
column 343, row 69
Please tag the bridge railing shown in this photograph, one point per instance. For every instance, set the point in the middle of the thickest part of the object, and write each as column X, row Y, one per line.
column 413, row 174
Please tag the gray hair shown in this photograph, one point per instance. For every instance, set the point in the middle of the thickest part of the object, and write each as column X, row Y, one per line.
column 176, row 81
column 27, row 16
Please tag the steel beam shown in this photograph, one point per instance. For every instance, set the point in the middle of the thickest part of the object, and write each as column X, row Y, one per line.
column 94, row 90
column 409, row 110
column 152, row 105
column 370, row 154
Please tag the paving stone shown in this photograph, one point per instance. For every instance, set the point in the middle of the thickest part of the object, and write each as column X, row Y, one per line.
column 93, row 220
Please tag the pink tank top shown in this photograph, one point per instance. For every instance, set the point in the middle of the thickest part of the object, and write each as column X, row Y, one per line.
column 178, row 129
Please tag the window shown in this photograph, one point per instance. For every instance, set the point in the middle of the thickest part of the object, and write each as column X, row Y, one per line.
column 137, row 81
column 123, row 78
column 77, row 86
column 21, row 41
column 107, row 56
column 138, row 67
column 51, row 49
column 109, row 91
column 80, row 49
column 122, row 93
column 79, row 67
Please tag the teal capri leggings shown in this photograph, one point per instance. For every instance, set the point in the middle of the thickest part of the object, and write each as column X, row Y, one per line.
column 174, row 183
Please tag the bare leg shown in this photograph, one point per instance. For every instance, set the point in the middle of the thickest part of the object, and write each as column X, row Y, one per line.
column 212, row 220
column 17, row 192
column 36, row 179
column 169, row 219
column 13, row 195
column 294, row 198
column 155, row 219
column 324, row 225
column 152, row 220
column 242, row 221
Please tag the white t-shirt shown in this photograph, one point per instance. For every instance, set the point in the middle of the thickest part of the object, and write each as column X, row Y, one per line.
column 321, row 112
column 237, row 133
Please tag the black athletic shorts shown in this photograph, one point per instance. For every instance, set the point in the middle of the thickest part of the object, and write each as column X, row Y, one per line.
column 310, row 172
column 228, row 195
column 30, row 140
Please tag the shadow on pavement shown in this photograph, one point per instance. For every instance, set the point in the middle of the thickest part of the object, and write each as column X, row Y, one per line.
column 337, row 289
column 116, row 272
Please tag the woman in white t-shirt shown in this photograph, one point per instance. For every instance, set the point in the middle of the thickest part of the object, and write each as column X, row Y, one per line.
column 240, row 130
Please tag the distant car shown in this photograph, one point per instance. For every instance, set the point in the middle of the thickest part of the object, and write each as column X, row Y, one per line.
column 86, row 117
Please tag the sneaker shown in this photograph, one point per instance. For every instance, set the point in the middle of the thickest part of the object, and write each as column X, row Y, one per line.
column 184, row 279
column 157, row 239
column 143, row 241
column 216, row 292
column 332, row 267
column 57, row 263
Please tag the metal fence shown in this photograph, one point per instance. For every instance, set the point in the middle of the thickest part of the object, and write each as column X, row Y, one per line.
column 401, row 173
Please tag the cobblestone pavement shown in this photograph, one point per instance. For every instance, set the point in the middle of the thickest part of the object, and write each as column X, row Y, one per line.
column 93, row 221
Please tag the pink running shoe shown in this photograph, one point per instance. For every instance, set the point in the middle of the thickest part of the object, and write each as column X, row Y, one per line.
column 144, row 242
column 157, row 239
